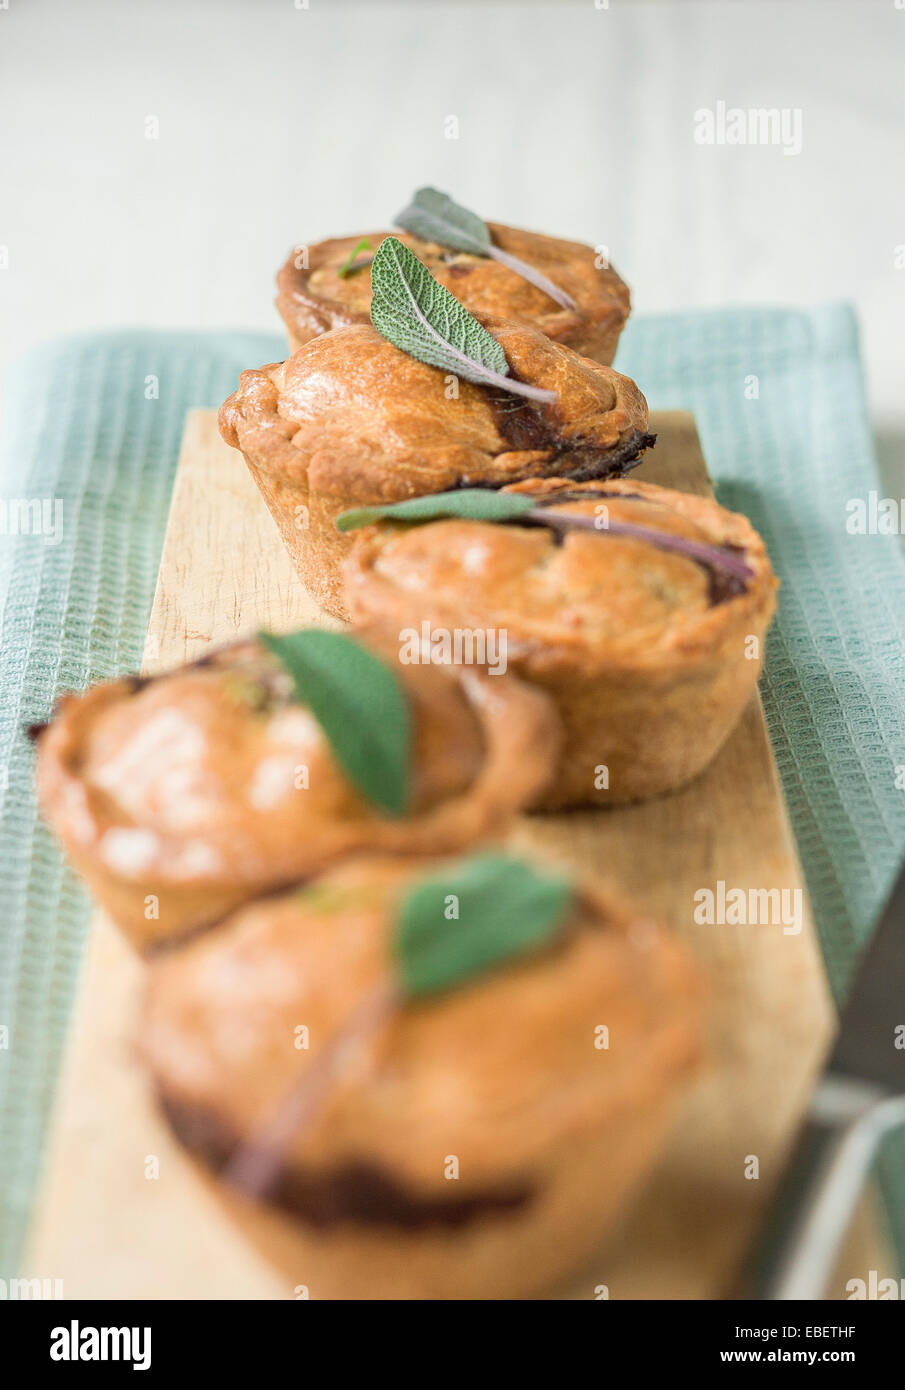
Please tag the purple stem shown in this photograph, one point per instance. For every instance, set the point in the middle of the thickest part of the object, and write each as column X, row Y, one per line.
column 358, row 264
column 716, row 556
column 535, row 277
column 256, row 1165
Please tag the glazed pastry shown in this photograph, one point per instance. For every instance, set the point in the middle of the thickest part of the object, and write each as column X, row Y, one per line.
column 650, row 654
column 181, row 796
column 506, row 1079
column 315, row 298
column 350, row 420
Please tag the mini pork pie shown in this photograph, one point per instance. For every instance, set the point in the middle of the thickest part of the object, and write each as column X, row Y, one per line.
column 551, row 1130
column 350, row 421
column 650, row 655
column 314, row 297
column 179, row 797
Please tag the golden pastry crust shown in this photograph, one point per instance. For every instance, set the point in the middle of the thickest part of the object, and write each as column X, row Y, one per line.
column 314, row 299
column 350, row 421
column 506, row 1073
column 650, row 658
column 179, row 797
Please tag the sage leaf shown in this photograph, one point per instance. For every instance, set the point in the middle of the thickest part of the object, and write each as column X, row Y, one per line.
column 480, row 504
column 360, row 705
column 434, row 216
column 420, row 316
column 502, row 909
column 351, row 264
column 473, row 503
column 472, row 917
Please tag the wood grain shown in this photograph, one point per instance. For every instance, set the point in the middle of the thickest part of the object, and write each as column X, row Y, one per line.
column 110, row 1231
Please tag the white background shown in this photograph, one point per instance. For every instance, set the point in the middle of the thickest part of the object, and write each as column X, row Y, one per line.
column 281, row 125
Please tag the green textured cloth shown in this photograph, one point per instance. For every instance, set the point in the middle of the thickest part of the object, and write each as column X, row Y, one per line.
column 79, row 427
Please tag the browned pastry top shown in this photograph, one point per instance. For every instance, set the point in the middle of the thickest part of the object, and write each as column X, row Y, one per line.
column 496, row 1072
column 365, row 420
column 316, row 298
column 213, row 773
column 584, row 595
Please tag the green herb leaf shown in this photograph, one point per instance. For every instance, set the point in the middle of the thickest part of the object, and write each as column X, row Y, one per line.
column 434, row 216
column 473, row 503
column 349, row 265
column 481, row 504
column 416, row 313
column 360, row 705
column 453, row 925
column 473, row 916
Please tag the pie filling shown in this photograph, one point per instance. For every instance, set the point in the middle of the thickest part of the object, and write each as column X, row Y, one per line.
column 352, row 1191
column 589, row 464
column 524, row 428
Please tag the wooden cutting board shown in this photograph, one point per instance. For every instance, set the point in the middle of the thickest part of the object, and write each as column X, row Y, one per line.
column 108, row 1230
